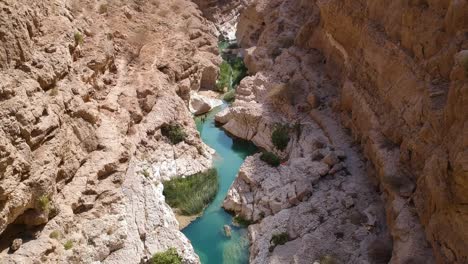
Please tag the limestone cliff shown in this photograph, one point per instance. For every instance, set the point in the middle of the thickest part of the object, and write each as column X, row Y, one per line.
column 85, row 87
column 395, row 74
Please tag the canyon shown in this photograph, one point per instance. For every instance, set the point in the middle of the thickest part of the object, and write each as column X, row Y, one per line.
column 373, row 96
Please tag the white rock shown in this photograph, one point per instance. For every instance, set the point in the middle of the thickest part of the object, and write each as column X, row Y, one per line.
column 200, row 104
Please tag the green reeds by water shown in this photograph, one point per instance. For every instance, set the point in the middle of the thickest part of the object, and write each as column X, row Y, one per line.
column 232, row 70
column 192, row 194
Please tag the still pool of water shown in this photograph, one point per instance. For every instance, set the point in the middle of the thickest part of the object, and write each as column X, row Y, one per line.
column 207, row 232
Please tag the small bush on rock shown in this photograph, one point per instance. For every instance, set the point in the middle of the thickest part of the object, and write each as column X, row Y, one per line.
column 328, row 259
column 242, row 221
column 271, row 159
column 54, row 234
column 44, row 203
column 230, row 96
column 68, row 245
column 78, row 38
column 174, row 132
column 169, row 256
column 280, row 137
column 278, row 239
column 103, row 8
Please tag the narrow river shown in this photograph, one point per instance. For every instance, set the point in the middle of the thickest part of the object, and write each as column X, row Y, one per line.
column 207, row 232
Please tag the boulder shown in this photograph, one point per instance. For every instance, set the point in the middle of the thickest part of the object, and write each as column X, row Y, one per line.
column 227, row 231
column 16, row 244
column 200, row 104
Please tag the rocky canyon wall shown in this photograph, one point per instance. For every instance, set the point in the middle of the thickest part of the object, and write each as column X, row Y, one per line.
column 396, row 74
column 85, row 87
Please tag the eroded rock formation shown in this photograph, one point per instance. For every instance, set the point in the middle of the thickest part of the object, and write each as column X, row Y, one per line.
column 395, row 75
column 85, row 88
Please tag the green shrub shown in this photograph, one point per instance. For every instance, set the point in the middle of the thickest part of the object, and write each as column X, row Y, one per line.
column 78, row 38
column 242, row 221
column 44, row 203
column 239, row 71
column 222, row 45
column 193, row 193
column 328, row 259
column 169, row 256
column 54, row 234
column 280, row 137
column 231, row 72
column 174, row 132
column 68, row 245
column 103, row 8
column 230, row 96
column 224, row 78
column 278, row 239
column 271, row 159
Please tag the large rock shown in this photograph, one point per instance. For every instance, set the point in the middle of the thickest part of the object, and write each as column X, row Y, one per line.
column 200, row 104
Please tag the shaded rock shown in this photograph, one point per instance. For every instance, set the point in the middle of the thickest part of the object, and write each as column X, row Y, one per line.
column 16, row 244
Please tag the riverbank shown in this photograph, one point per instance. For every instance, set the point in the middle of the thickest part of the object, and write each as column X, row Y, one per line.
column 206, row 233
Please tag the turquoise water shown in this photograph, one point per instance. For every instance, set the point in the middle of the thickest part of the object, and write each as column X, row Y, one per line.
column 207, row 232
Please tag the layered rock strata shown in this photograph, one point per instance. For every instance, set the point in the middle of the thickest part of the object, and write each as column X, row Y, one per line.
column 85, row 88
column 394, row 74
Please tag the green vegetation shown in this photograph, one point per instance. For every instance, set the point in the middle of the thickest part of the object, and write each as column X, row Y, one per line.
column 68, row 245
column 270, row 158
column 239, row 71
column 279, row 239
column 242, row 221
column 230, row 96
column 328, row 259
column 169, row 256
column 54, row 234
column 103, row 8
column 174, row 132
column 222, row 45
column 191, row 194
column 232, row 70
column 225, row 74
column 54, row 91
column 44, row 203
column 280, row 137
column 78, row 38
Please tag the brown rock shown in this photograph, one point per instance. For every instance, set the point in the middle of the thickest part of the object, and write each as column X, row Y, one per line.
column 16, row 244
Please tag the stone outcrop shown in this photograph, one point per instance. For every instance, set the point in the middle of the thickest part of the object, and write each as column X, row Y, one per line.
column 395, row 74
column 200, row 104
column 224, row 13
column 85, row 88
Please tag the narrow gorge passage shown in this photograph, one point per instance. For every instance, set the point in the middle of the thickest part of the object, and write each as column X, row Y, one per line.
column 346, row 142
column 207, row 232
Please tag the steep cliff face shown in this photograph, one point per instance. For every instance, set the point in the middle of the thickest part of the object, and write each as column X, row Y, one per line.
column 224, row 14
column 404, row 95
column 85, row 88
column 396, row 73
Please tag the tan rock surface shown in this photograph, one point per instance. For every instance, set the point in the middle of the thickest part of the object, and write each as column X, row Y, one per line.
column 395, row 72
column 85, row 88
